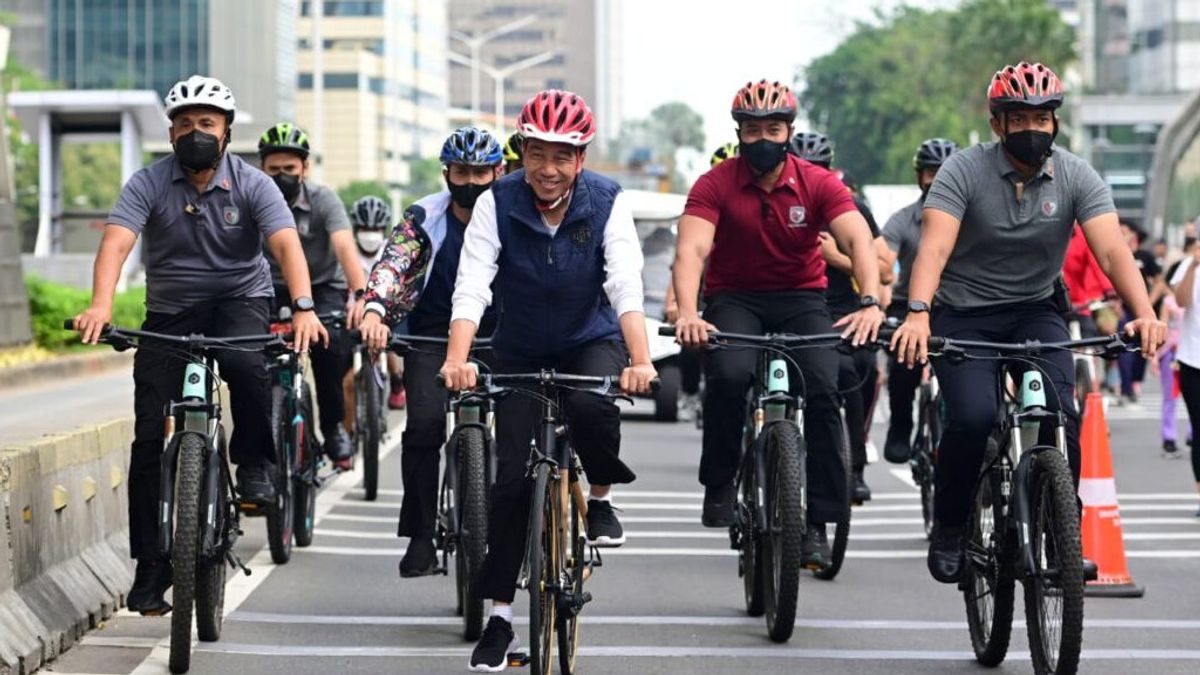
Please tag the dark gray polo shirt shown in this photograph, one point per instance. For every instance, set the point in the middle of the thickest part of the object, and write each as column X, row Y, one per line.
column 216, row 250
column 318, row 212
column 903, row 236
column 1011, row 251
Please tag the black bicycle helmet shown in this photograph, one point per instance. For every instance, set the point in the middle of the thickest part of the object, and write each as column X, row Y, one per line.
column 812, row 147
column 371, row 213
column 933, row 152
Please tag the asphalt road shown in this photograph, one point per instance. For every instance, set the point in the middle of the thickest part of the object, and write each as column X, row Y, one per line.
column 670, row 601
column 30, row 411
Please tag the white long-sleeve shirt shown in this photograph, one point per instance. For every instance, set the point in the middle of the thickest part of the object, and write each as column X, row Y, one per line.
column 477, row 265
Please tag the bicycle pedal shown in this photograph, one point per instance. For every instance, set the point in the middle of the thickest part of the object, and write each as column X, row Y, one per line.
column 518, row 659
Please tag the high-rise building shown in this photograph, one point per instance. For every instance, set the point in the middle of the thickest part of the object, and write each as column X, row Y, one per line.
column 151, row 44
column 1165, row 53
column 584, row 34
column 383, row 99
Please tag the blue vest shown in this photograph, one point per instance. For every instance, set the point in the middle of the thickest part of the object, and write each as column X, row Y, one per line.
column 550, row 288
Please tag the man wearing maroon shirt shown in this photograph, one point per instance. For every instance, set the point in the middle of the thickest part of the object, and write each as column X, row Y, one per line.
column 756, row 219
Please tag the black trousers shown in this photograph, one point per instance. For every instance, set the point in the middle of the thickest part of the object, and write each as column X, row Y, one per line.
column 856, row 384
column 158, row 380
column 329, row 364
column 971, row 389
column 902, row 381
column 595, row 434
column 691, row 367
column 1189, row 387
column 730, row 372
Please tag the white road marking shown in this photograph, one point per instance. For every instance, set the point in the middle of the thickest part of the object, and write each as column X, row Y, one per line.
column 905, row 476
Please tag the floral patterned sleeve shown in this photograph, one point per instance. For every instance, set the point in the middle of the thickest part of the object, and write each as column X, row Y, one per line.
column 395, row 282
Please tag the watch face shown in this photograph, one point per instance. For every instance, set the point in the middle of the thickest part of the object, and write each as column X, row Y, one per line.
column 304, row 304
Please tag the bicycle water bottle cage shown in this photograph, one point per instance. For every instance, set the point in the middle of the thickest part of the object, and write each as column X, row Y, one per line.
column 777, row 377
column 1033, row 390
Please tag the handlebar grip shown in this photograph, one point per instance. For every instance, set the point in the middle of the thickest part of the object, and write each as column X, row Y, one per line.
column 69, row 324
column 666, row 331
column 655, row 385
column 937, row 344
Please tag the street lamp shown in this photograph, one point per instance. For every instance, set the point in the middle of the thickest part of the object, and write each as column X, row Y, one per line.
column 474, row 43
column 499, row 75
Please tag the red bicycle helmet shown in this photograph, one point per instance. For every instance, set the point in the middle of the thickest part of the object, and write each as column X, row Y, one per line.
column 764, row 100
column 1025, row 85
column 557, row 117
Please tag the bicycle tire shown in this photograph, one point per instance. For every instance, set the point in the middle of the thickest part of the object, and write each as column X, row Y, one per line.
column 1055, row 538
column 368, row 426
column 786, row 514
column 923, row 467
column 750, row 559
column 304, row 493
column 280, row 520
column 574, row 561
column 473, row 526
column 989, row 588
column 540, row 557
column 185, row 547
column 1083, row 386
column 841, row 529
column 210, row 577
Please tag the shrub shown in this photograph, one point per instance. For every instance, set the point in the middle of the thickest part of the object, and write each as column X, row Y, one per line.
column 51, row 303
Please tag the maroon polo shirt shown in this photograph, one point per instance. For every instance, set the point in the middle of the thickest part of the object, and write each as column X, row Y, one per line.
column 767, row 241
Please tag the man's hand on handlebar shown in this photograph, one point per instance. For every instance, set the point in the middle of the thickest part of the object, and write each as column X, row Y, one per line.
column 375, row 333
column 458, row 375
column 691, row 331
column 91, row 322
column 307, row 330
column 862, row 326
column 910, row 342
column 636, row 379
column 1150, row 332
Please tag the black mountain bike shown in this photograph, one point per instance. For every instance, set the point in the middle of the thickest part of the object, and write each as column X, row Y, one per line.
column 772, row 479
column 198, row 504
column 1024, row 522
column 370, row 415
column 297, row 453
column 467, row 477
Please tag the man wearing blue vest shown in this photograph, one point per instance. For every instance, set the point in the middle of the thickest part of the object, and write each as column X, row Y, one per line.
column 561, row 246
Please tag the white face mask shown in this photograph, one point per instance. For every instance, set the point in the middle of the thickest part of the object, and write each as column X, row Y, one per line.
column 369, row 240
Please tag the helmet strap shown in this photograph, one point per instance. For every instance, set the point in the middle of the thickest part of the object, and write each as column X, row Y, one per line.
column 545, row 206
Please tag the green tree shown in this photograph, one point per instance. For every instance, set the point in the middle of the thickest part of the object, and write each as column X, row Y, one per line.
column 675, row 125
column 356, row 190
column 914, row 74
column 91, row 175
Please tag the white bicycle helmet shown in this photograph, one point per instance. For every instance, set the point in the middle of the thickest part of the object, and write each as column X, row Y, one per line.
column 200, row 90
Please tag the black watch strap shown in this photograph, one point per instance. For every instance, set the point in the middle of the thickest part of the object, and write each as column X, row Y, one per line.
column 303, row 304
column 918, row 306
column 868, row 301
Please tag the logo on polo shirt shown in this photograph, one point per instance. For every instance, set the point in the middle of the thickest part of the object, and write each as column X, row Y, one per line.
column 1049, row 208
column 231, row 215
column 796, row 216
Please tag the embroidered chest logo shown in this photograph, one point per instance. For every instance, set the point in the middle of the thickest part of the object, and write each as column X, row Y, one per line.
column 1049, row 208
column 796, row 215
column 581, row 237
column 231, row 215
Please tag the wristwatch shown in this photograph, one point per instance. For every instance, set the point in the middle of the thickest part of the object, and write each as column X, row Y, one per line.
column 303, row 304
column 916, row 306
column 868, row 301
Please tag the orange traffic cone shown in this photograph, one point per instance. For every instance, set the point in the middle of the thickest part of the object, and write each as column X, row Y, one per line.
column 1103, row 542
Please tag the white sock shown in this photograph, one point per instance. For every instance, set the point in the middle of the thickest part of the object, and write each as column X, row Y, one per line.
column 503, row 611
column 605, row 498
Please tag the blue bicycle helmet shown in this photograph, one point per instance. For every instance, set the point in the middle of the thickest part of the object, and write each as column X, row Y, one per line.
column 473, row 147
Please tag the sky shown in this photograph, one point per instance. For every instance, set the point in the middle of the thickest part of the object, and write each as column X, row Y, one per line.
column 701, row 51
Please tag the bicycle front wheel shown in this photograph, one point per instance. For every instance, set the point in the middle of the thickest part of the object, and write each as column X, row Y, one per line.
column 541, row 558
column 279, row 515
column 1054, row 592
column 576, row 572
column 786, row 515
column 750, row 556
column 472, row 528
column 928, row 435
column 210, row 573
column 989, row 584
column 1083, row 384
column 841, row 528
column 304, row 490
column 185, row 547
column 369, row 426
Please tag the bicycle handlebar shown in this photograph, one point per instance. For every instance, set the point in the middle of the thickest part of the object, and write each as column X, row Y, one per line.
column 778, row 339
column 111, row 333
column 1113, row 344
column 494, row 382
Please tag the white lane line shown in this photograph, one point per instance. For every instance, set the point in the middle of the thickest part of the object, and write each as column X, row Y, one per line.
column 664, row 534
column 104, row 641
column 672, row 620
column 905, row 476
column 342, row 517
column 642, row 651
column 261, row 566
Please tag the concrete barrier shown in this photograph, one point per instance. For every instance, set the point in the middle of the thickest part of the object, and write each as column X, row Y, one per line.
column 64, row 551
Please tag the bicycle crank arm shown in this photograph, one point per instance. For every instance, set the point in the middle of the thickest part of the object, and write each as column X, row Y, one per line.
column 236, row 562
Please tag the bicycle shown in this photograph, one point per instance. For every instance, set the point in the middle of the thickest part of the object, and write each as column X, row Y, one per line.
column 198, row 503
column 925, row 443
column 467, row 477
column 297, row 453
column 772, row 480
column 557, row 559
column 1087, row 377
column 370, row 423
column 1024, row 521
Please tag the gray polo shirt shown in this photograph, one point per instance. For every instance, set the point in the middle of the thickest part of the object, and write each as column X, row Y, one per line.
column 206, row 245
column 319, row 212
column 1011, row 251
column 903, row 236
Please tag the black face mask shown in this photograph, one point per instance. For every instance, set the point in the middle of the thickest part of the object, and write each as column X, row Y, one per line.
column 288, row 184
column 466, row 195
column 1029, row 147
column 198, row 151
column 763, row 155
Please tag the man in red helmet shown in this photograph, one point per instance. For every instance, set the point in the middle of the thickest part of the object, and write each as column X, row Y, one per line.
column 560, row 244
column 757, row 219
column 995, row 229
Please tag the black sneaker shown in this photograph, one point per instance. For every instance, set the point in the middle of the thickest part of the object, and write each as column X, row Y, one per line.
column 1091, row 571
column 1171, row 450
column 897, row 449
column 719, row 506
column 862, row 492
column 420, row 559
column 339, row 447
column 946, row 559
column 603, row 528
column 491, row 653
column 814, row 547
column 150, row 581
column 255, row 484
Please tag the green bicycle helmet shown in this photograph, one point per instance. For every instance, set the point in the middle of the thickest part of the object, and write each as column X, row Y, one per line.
column 283, row 137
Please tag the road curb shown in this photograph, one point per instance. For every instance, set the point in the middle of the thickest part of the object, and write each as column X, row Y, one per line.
column 74, row 365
